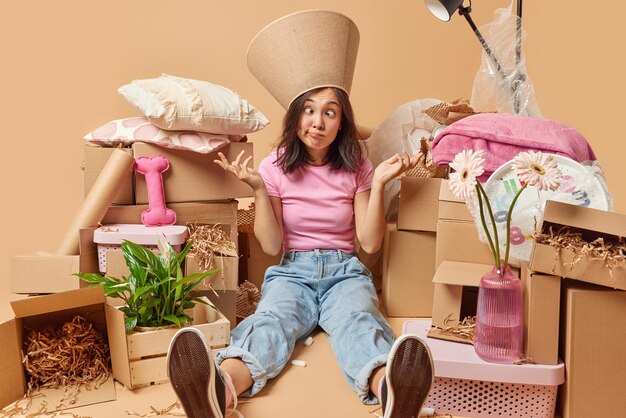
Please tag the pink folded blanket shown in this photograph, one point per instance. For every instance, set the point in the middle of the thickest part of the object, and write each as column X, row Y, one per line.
column 502, row 136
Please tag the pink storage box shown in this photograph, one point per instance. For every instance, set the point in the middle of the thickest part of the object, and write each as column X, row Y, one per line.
column 466, row 385
column 110, row 237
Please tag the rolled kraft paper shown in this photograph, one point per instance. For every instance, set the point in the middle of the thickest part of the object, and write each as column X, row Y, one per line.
column 100, row 197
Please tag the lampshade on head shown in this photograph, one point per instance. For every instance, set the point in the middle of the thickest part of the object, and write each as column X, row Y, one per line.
column 303, row 51
column 443, row 9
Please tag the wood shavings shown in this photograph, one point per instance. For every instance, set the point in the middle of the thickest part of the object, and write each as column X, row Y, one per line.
column 174, row 409
column 564, row 237
column 209, row 240
column 72, row 356
column 464, row 331
column 309, row 341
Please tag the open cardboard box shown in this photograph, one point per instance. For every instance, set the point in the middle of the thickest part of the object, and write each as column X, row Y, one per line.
column 47, row 273
column 592, row 223
column 456, row 291
column 418, row 204
column 39, row 313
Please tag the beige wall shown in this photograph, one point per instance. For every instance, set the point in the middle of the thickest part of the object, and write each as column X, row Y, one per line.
column 63, row 61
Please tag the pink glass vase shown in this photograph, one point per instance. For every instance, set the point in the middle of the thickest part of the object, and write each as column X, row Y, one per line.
column 499, row 317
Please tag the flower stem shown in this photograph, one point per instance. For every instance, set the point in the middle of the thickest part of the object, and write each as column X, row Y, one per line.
column 508, row 223
column 482, row 218
column 493, row 224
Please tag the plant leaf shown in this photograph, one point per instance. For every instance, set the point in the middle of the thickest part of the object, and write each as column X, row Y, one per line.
column 173, row 319
column 130, row 323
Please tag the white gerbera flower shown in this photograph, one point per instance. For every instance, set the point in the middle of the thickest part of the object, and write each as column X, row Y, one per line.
column 538, row 169
column 468, row 166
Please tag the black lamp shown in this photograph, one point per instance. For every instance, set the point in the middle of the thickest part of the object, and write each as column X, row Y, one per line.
column 444, row 9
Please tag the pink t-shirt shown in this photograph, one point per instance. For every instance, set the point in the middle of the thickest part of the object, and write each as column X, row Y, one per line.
column 317, row 202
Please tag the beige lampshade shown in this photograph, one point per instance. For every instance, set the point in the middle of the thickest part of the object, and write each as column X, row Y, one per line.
column 303, row 51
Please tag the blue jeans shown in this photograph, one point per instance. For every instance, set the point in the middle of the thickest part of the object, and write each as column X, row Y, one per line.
column 326, row 287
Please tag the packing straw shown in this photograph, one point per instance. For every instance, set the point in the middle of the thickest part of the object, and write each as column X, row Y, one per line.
column 97, row 202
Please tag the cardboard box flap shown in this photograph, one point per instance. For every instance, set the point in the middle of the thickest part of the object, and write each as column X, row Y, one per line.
column 460, row 274
column 11, row 368
column 585, row 218
column 37, row 305
column 446, row 194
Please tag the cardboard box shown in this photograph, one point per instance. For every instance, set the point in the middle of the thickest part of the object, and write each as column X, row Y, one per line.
column 456, row 291
column 201, row 213
column 95, row 159
column 593, row 224
column 408, row 269
column 458, row 241
column 139, row 358
column 193, row 176
column 591, row 346
column 418, row 204
column 542, row 295
column 38, row 313
column 451, row 208
column 47, row 273
column 253, row 262
column 227, row 278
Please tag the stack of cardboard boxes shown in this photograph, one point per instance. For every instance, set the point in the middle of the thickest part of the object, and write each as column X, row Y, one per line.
column 574, row 321
column 409, row 250
column 200, row 193
column 460, row 258
column 592, row 307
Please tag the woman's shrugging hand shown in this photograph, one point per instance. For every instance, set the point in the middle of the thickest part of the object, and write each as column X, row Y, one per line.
column 241, row 170
column 394, row 166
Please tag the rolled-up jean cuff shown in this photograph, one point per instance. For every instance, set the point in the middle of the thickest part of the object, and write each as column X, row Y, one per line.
column 258, row 373
column 362, row 381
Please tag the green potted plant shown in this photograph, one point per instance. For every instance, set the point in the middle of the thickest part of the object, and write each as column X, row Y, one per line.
column 156, row 296
column 155, row 293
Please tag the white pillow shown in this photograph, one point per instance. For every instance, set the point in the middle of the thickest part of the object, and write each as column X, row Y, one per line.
column 139, row 129
column 183, row 104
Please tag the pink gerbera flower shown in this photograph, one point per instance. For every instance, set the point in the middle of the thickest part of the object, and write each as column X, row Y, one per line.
column 468, row 166
column 538, row 169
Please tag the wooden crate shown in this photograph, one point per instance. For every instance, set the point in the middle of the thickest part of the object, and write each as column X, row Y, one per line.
column 139, row 358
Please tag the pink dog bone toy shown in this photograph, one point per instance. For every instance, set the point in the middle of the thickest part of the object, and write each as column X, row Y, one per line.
column 153, row 168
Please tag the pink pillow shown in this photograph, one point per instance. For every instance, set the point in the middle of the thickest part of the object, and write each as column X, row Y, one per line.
column 139, row 129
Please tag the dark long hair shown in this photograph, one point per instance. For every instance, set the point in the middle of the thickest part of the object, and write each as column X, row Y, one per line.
column 344, row 153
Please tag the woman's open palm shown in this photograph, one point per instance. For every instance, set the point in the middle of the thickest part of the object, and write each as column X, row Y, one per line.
column 394, row 166
column 240, row 169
